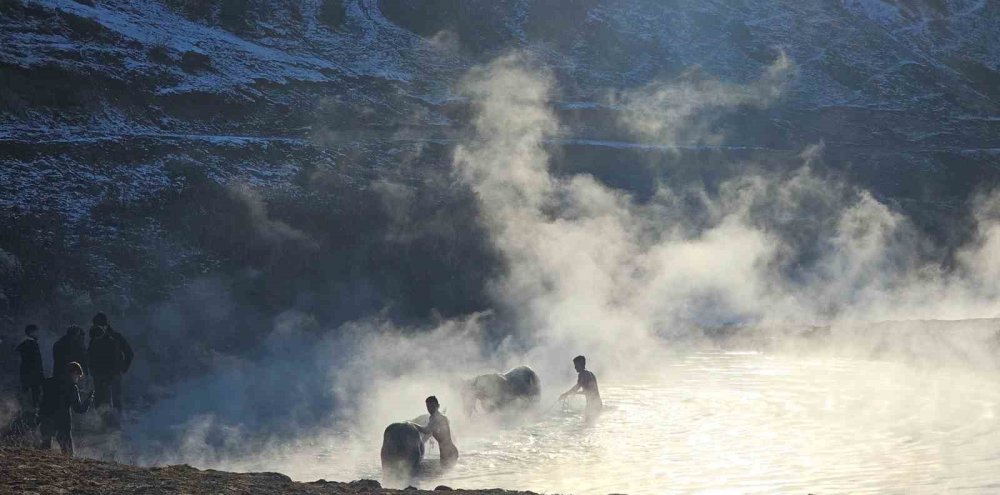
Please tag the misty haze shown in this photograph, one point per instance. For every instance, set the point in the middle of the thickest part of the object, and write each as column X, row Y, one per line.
column 579, row 247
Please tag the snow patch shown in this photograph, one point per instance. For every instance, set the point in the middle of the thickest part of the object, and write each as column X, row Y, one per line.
column 883, row 13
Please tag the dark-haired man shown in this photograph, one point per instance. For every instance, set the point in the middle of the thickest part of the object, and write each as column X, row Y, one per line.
column 70, row 348
column 438, row 427
column 32, row 373
column 110, row 356
column 586, row 384
column 61, row 396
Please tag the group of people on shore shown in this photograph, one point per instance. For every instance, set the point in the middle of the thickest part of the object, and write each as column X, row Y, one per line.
column 101, row 362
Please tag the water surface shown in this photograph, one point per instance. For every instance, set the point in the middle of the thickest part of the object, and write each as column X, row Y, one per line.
column 730, row 422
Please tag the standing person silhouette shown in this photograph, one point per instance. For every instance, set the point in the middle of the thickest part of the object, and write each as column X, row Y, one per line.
column 61, row 398
column 70, row 348
column 32, row 373
column 439, row 428
column 109, row 357
column 586, row 384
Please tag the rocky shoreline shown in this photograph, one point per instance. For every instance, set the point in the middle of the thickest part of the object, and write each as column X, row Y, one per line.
column 31, row 471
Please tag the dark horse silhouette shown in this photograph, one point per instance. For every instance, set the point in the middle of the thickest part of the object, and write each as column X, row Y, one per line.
column 403, row 448
column 402, row 451
column 519, row 387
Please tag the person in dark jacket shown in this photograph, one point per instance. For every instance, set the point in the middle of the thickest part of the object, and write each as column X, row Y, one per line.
column 32, row 373
column 70, row 348
column 60, row 397
column 110, row 357
column 127, row 354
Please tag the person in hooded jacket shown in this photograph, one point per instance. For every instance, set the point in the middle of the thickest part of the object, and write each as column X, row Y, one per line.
column 70, row 348
column 32, row 373
column 60, row 397
column 110, row 357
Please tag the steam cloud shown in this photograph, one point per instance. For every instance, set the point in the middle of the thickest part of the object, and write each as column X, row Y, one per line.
column 585, row 261
column 681, row 112
column 271, row 232
column 588, row 269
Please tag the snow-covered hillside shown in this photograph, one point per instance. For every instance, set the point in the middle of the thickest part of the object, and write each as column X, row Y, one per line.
column 116, row 116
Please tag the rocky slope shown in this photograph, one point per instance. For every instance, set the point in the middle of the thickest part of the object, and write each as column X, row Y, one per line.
column 115, row 113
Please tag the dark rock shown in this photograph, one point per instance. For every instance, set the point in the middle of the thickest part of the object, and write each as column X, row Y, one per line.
column 192, row 61
column 332, row 13
column 443, row 488
column 159, row 54
column 272, row 477
column 83, row 28
column 234, row 15
column 365, row 485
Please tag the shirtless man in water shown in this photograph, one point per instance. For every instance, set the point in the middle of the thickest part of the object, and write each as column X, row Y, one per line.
column 439, row 428
column 586, row 384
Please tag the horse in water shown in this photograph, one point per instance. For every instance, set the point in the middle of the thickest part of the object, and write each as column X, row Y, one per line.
column 402, row 450
column 519, row 387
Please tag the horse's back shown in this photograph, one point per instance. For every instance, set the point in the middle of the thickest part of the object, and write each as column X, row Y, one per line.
column 402, row 449
column 524, row 382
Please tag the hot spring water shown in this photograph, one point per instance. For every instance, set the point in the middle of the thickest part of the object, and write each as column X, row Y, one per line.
column 728, row 422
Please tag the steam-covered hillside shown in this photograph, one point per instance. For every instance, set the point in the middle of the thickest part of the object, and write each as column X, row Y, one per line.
column 274, row 156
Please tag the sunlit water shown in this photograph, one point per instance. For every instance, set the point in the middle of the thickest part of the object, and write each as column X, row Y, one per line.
column 737, row 423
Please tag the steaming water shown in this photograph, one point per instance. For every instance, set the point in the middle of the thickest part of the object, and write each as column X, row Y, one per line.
column 738, row 423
